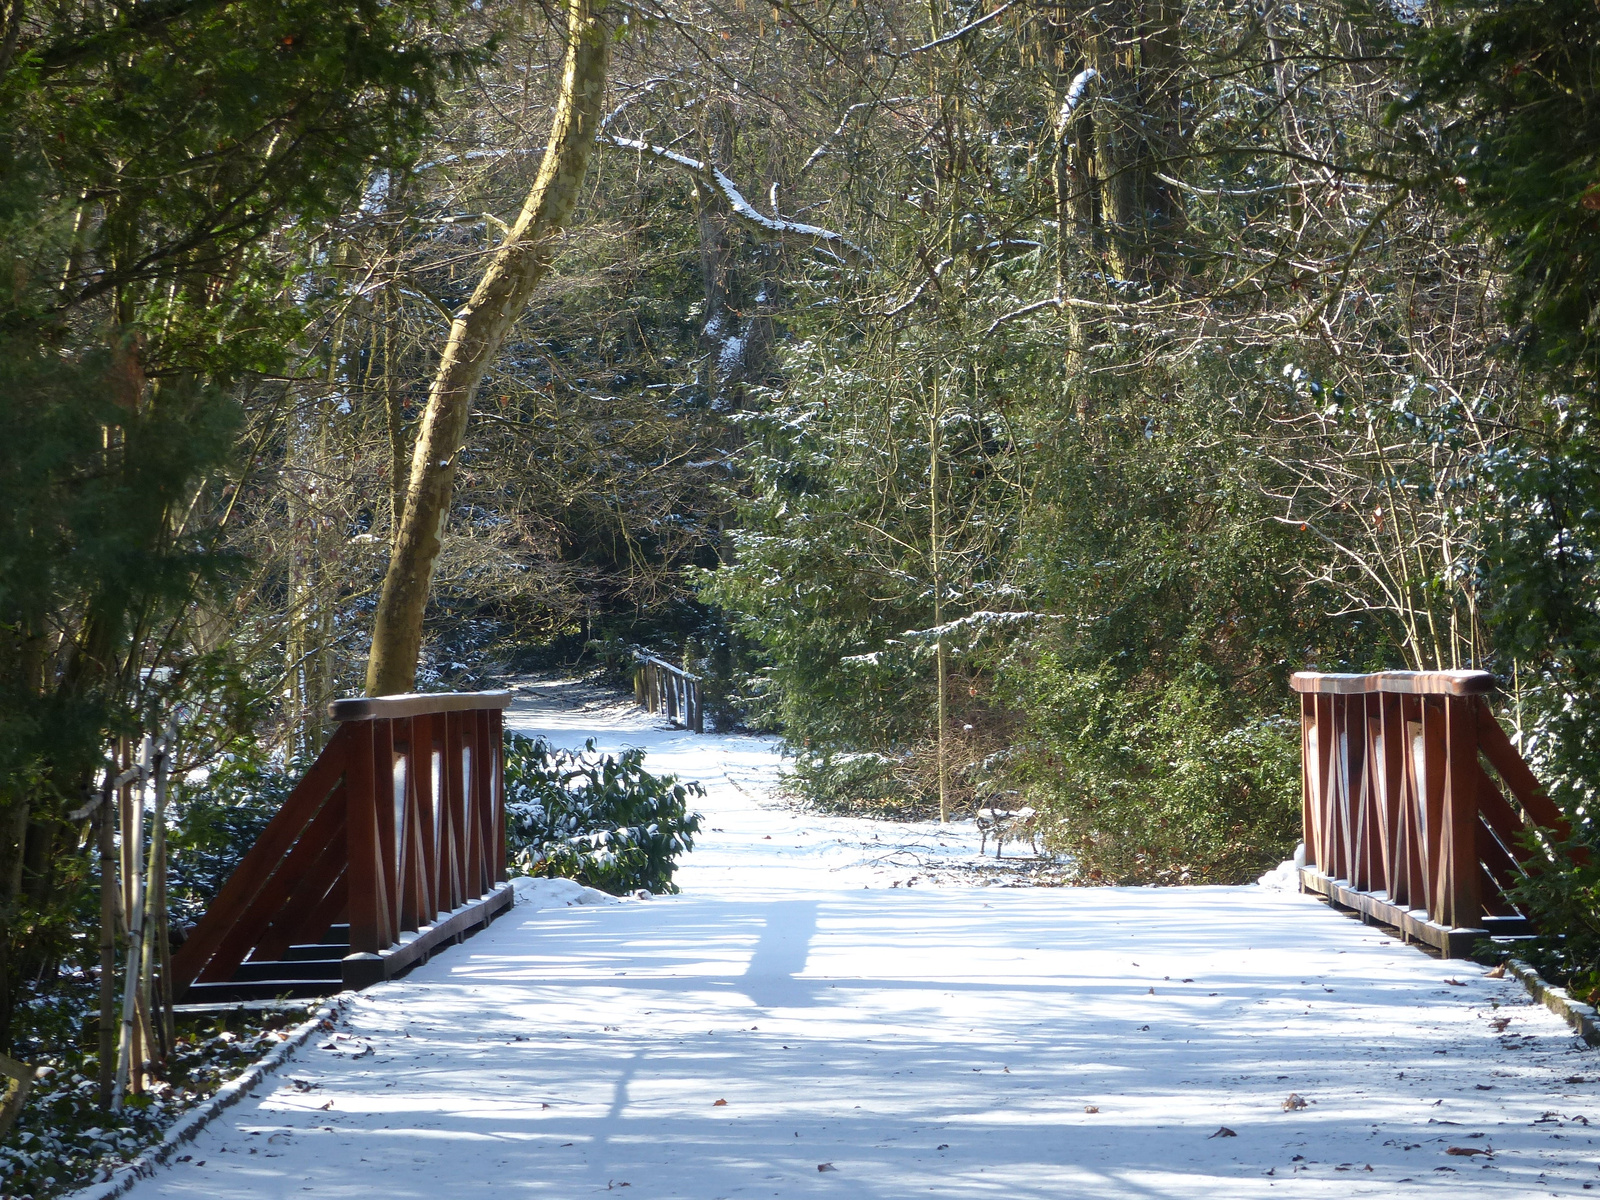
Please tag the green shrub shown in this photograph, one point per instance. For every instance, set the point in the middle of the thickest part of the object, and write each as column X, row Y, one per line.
column 216, row 821
column 1171, row 785
column 602, row 820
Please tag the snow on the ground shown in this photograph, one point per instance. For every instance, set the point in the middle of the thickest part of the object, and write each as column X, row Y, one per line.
column 748, row 842
column 793, row 1026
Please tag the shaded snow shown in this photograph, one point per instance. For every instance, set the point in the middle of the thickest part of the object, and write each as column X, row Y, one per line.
column 950, row 1042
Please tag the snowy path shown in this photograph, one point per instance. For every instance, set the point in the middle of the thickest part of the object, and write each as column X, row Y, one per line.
column 963, row 1043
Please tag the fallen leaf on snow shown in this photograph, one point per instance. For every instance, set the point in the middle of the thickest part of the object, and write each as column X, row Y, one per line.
column 1222, row 1132
column 1455, row 983
column 1091, row 1108
column 826, row 1167
column 720, row 1104
column 1293, row 1102
column 1498, row 973
column 1467, row 1151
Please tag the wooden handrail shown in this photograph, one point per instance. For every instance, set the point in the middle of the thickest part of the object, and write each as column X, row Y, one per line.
column 659, row 686
column 1401, row 819
column 415, row 704
column 397, row 829
column 1395, row 683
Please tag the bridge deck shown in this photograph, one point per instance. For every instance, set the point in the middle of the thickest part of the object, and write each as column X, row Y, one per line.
column 948, row 1042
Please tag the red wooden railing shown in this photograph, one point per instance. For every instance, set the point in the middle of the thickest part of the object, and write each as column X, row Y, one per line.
column 391, row 845
column 1414, row 800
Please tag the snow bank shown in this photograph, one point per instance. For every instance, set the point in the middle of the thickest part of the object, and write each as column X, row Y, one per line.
column 534, row 894
column 1285, row 877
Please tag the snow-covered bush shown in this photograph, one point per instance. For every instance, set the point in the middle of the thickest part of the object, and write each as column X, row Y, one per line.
column 600, row 819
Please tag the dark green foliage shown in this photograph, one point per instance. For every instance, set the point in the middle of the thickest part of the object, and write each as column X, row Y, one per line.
column 161, row 168
column 600, row 819
column 1516, row 85
column 215, row 821
column 64, row 1140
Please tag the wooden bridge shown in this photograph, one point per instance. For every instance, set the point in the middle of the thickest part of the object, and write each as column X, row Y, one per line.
column 1415, row 809
column 391, row 846
column 1416, row 804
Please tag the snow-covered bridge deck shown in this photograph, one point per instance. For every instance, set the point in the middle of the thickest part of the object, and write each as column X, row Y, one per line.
column 953, row 1042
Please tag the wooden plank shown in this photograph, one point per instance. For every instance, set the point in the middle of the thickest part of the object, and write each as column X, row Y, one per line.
column 388, row 773
column 415, row 704
column 1509, row 765
column 332, row 910
column 1347, row 788
column 1499, row 864
column 1496, row 812
column 1327, row 741
column 278, row 885
column 407, row 829
column 307, row 895
column 425, row 730
column 1308, row 812
column 362, row 971
column 364, row 878
column 1389, row 772
column 302, row 805
column 497, row 777
column 1463, row 906
column 483, row 805
column 452, row 846
column 1430, row 796
column 1368, row 815
column 472, row 880
column 1413, row 922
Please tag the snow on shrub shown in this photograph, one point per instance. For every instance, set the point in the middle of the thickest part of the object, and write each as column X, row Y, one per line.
column 600, row 819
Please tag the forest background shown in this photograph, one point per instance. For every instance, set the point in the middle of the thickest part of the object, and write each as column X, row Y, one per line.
column 997, row 400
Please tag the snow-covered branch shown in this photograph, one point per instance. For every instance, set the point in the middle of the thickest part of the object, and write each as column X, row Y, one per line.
column 1075, row 94
column 983, row 621
column 957, row 35
column 822, row 147
column 713, row 180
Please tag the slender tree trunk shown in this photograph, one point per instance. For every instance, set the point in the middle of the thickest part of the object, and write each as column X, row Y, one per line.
column 935, row 545
column 108, row 938
column 475, row 336
column 395, row 419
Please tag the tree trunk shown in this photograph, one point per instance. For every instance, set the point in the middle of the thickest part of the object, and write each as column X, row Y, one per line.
column 475, row 336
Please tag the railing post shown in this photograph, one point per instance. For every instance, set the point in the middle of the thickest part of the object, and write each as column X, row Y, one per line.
column 497, row 781
column 366, row 900
column 1461, row 903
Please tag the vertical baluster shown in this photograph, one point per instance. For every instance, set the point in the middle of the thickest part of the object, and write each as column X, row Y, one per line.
column 1431, row 796
column 367, row 903
column 389, row 769
column 497, row 781
column 1369, row 859
column 485, row 757
column 1415, row 800
column 1328, row 770
column 420, row 833
column 1390, row 767
column 453, row 847
column 1461, row 902
column 472, row 879
column 1308, row 791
